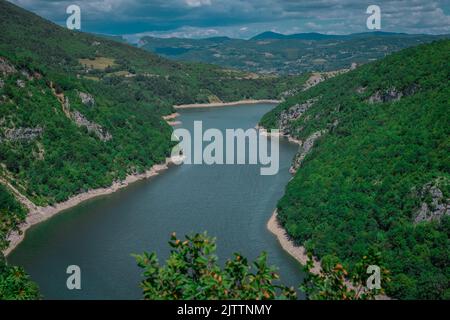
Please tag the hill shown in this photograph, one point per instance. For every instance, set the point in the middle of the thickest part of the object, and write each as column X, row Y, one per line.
column 372, row 171
column 268, row 35
column 276, row 53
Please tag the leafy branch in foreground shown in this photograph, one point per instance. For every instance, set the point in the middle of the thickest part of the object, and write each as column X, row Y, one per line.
column 335, row 283
column 15, row 284
column 192, row 272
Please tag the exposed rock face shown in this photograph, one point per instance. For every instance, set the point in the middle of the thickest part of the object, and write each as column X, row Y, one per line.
column 294, row 113
column 434, row 209
column 81, row 120
column 65, row 105
column 305, row 149
column 391, row 95
column 26, row 74
column 97, row 129
column 20, row 83
column 317, row 78
column 289, row 93
column 387, row 96
column 22, row 134
column 361, row 90
column 2, row 84
column 6, row 68
column 87, row 99
column 314, row 80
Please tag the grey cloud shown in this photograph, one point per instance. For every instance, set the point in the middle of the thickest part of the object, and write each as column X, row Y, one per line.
column 230, row 16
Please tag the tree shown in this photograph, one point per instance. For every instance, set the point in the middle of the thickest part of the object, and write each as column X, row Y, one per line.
column 335, row 283
column 192, row 272
column 15, row 284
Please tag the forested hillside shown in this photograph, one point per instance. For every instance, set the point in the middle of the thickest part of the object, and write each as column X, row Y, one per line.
column 373, row 169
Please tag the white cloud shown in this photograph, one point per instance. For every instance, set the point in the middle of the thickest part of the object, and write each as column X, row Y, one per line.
column 198, row 3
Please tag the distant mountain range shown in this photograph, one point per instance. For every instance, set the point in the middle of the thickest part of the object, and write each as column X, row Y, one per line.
column 269, row 35
column 271, row 52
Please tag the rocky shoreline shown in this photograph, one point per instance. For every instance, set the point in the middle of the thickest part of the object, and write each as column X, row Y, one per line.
column 297, row 252
column 225, row 104
column 39, row 214
column 171, row 119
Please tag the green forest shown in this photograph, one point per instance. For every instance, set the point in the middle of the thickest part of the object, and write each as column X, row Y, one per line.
column 79, row 112
column 383, row 156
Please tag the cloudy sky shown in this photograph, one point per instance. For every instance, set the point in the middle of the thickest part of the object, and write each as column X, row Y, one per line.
column 244, row 18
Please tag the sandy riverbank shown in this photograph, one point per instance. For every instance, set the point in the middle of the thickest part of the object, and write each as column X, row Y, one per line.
column 171, row 116
column 297, row 252
column 263, row 131
column 171, row 119
column 224, row 104
column 39, row 214
column 174, row 123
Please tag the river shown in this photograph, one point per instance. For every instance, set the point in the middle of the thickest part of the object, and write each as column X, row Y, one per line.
column 231, row 202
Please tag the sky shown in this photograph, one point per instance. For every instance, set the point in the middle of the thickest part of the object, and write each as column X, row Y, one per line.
column 244, row 18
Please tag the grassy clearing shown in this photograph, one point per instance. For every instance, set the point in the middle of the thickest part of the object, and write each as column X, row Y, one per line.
column 99, row 63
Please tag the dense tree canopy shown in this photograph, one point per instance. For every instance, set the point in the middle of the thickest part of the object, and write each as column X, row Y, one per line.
column 383, row 157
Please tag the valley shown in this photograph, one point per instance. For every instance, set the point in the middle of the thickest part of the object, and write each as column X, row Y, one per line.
column 362, row 178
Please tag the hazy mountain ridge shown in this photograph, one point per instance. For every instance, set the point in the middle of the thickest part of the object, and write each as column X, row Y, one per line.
column 320, row 36
column 271, row 52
